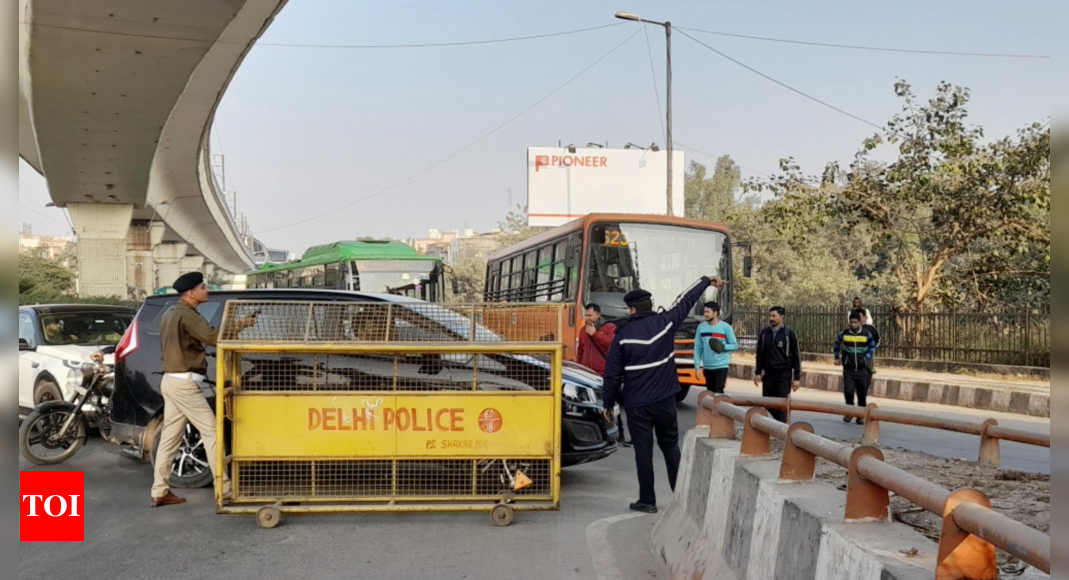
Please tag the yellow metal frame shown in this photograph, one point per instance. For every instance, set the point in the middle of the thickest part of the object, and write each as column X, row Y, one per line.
column 230, row 386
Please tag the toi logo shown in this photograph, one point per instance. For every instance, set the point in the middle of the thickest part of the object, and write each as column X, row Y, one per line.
column 52, row 506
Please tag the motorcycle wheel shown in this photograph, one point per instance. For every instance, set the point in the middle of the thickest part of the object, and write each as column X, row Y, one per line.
column 37, row 434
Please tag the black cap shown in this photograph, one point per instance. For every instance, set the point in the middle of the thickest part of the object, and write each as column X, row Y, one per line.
column 187, row 282
column 637, row 296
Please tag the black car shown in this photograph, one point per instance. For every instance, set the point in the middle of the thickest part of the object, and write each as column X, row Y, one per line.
column 137, row 405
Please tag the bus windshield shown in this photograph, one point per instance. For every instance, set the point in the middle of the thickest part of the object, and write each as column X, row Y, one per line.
column 385, row 275
column 662, row 259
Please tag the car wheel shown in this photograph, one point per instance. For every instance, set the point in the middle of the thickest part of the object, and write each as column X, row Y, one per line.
column 46, row 391
column 190, row 469
column 684, row 392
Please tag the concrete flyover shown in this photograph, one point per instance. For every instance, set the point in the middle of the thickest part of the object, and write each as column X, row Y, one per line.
column 116, row 101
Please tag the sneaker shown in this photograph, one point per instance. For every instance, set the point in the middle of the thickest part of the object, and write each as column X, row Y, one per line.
column 847, row 419
column 626, row 443
column 860, row 421
column 643, row 507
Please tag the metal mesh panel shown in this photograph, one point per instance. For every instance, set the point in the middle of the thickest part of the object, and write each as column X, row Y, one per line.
column 404, row 323
column 408, row 372
column 384, row 480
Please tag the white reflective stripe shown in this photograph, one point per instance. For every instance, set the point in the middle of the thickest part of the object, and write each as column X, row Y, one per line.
column 659, row 336
column 651, row 365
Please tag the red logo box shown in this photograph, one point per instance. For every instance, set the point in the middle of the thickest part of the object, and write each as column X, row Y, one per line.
column 52, row 506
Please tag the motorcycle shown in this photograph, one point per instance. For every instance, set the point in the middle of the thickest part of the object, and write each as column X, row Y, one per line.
column 55, row 430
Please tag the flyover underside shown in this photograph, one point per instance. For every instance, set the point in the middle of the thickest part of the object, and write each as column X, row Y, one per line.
column 116, row 102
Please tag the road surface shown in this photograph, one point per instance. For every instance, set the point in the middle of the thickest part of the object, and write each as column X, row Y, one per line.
column 593, row 537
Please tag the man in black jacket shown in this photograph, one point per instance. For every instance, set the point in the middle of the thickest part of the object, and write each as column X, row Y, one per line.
column 779, row 361
column 641, row 360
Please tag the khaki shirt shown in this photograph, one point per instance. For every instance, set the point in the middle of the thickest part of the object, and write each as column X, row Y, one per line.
column 183, row 333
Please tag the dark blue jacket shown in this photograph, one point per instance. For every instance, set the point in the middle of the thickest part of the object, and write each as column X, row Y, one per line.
column 641, row 366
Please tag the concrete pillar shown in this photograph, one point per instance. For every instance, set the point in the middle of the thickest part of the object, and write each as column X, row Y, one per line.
column 101, row 230
column 191, row 264
column 168, row 259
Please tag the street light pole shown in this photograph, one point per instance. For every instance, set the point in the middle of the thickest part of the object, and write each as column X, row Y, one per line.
column 668, row 128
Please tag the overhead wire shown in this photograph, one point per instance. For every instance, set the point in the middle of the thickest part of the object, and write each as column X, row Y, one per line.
column 783, row 84
column 326, row 46
column 47, row 217
column 868, row 48
column 458, row 151
column 715, row 157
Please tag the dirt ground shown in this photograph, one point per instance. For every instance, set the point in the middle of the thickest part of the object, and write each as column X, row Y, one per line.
column 1024, row 497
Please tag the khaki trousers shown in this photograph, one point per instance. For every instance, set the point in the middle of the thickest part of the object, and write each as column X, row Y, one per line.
column 183, row 403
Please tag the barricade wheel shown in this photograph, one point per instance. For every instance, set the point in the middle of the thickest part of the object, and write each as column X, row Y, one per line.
column 502, row 515
column 268, row 517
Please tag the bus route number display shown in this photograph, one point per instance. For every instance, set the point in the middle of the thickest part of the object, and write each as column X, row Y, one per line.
column 615, row 238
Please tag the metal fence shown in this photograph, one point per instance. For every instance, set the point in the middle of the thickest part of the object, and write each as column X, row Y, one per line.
column 1018, row 336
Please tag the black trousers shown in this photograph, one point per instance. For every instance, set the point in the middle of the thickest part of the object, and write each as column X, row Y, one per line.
column 857, row 382
column 644, row 421
column 777, row 384
column 715, row 380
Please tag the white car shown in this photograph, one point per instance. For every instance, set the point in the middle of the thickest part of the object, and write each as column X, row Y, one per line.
column 56, row 340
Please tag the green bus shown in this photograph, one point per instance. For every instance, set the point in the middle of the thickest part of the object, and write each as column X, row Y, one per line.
column 367, row 266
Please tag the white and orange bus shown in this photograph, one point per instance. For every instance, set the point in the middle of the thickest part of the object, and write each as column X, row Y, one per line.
column 601, row 257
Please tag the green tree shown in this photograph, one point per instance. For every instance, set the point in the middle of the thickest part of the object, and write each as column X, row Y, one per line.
column 946, row 195
column 514, row 228
column 470, row 274
column 712, row 198
column 42, row 280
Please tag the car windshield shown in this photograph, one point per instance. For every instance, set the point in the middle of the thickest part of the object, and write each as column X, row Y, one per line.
column 662, row 259
column 453, row 322
column 84, row 328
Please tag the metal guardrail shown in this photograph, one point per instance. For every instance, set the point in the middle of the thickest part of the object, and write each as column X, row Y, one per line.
column 989, row 431
column 970, row 527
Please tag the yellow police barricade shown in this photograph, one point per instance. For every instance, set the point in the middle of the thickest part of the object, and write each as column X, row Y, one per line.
column 331, row 407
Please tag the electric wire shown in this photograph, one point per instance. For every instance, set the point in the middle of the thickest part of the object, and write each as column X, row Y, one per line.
column 326, row 46
column 47, row 217
column 783, row 84
column 458, row 151
column 869, row 48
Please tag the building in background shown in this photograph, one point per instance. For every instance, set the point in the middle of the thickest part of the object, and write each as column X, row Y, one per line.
column 475, row 247
column 47, row 247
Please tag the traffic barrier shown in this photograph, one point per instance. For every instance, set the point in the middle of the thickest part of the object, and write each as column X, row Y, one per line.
column 336, row 407
column 971, row 529
column 989, row 431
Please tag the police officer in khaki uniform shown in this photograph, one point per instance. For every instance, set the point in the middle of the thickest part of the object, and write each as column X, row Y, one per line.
column 183, row 333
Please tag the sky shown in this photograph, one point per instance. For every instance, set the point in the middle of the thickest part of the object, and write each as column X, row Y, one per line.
column 307, row 131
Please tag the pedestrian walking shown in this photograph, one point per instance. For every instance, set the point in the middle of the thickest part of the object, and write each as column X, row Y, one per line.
column 594, row 344
column 779, row 361
column 854, row 350
column 183, row 333
column 714, row 342
column 640, row 373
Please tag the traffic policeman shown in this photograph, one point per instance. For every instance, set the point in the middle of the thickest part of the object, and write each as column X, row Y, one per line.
column 640, row 373
column 183, row 333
